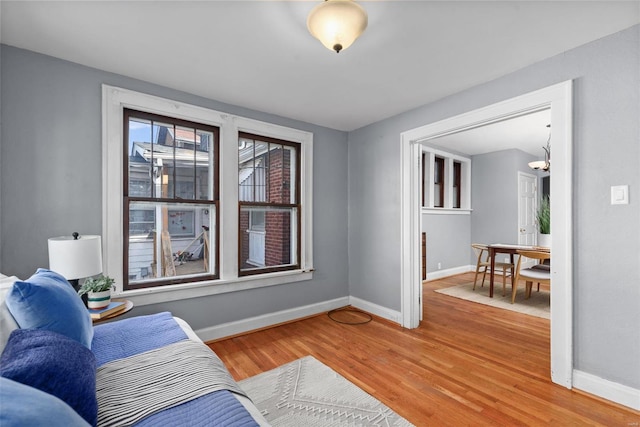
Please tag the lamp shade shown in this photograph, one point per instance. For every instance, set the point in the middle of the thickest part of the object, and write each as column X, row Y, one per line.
column 75, row 259
column 337, row 23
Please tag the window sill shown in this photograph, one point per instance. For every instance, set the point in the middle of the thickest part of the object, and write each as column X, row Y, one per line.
column 446, row 211
column 182, row 291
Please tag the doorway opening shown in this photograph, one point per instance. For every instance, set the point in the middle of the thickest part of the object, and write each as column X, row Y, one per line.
column 558, row 98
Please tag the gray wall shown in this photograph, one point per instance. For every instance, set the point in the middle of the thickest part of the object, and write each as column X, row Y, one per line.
column 50, row 182
column 606, row 152
column 448, row 240
column 494, row 196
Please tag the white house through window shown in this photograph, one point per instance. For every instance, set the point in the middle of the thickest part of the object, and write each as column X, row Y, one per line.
column 170, row 200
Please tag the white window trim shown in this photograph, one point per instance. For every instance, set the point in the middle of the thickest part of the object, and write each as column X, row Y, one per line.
column 446, row 211
column 465, row 194
column 114, row 100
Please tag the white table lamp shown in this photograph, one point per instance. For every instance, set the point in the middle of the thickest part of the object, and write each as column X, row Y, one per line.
column 75, row 257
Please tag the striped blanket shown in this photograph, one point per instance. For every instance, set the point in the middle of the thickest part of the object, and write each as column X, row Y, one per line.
column 162, row 380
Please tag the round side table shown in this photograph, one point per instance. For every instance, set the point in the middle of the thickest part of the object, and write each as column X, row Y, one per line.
column 128, row 305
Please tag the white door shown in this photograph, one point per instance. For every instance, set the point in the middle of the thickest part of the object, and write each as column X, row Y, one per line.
column 527, row 203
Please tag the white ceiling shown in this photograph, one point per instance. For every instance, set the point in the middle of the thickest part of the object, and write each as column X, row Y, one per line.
column 528, row 133
column 259, row 54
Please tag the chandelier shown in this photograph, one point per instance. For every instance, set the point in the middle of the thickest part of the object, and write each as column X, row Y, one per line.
column 544, row 165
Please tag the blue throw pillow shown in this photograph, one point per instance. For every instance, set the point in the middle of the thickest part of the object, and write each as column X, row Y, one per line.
column 27, row 406
column 54, row 364
column 47, row 301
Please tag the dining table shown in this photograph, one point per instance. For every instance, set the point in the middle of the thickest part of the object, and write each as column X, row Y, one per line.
column 503, row 248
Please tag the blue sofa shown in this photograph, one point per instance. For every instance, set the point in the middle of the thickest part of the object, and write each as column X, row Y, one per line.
column 56, row 368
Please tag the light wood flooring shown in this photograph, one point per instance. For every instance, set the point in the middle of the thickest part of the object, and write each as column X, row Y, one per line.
column 467, row 364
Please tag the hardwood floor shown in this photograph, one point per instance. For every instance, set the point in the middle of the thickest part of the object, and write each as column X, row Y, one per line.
column 467, row 364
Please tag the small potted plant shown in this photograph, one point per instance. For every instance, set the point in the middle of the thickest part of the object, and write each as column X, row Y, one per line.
column 543, row 217
column 98, row 290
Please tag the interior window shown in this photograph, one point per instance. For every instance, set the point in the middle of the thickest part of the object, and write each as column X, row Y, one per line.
column 457, row 178
column 438, row 183
column 446, row 181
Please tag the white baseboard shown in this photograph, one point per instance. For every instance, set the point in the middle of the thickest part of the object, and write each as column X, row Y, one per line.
column 266, row 320
column 618, row 393
column 435, row 275
column 378, row 310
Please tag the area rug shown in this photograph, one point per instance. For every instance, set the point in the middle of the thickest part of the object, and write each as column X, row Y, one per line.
column 306, row 393
column 538, row 305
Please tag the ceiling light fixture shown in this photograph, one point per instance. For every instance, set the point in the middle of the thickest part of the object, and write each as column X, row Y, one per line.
column 337, row 23
column 545, row 164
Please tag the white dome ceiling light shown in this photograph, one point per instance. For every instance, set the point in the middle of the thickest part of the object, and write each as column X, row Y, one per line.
column 337, row 23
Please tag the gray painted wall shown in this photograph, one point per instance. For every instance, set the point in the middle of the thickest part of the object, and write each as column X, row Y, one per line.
column 51, row 182
column 494, row 197
column 606, row 152
column 448, row 240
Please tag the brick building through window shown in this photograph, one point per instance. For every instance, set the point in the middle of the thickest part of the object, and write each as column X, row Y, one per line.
column 269, row 212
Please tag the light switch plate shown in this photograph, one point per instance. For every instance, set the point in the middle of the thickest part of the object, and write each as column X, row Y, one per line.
column 620, row 195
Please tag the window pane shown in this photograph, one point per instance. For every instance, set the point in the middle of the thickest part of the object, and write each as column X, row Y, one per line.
column 170, row 240
column 289, row 189
column 204, row 160
column 185, row 162
column 437, row 196
column 141, row 221
column 457, row 176
column 438, row 179
column 246, row 169
column 274, row 178
column 261, row 165
column 266, row 172
column 438, row 170
column 140, row 134
column 281, row 174
column 272, row 243
column 163, row 150
column 157, row 168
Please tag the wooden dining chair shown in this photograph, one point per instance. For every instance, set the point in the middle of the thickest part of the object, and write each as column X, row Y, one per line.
column 483, row 265
column 530, row 275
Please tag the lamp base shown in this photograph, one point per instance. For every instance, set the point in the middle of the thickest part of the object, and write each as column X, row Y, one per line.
column 75, row 284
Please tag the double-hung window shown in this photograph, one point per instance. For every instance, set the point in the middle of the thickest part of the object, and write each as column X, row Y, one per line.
column 170, row 200
column 201, row 202
column 269, row 204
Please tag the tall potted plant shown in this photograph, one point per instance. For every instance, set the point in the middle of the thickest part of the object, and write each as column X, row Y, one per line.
column 98, row 291
column 543, row 217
